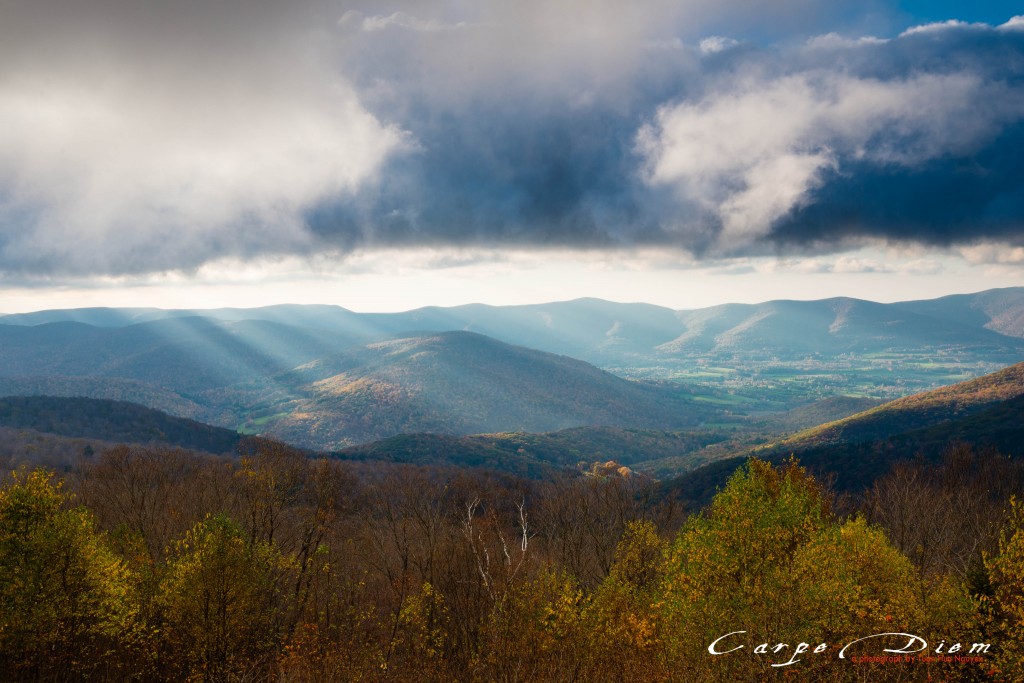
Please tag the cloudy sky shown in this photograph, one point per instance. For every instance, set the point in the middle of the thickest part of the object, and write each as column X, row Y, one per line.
column 390, row 154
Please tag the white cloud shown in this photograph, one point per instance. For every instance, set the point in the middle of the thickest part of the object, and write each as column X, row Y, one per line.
column 940, row 26
column 143, row 155
column 753, row 152
column 715, row 44
column 1015, row 23
column 369, row 24
column 146, row 177
column 993, row 253
column 834, row 41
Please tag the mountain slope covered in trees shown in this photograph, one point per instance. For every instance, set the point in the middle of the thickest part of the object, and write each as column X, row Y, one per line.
column 112, row 421
column 466, row 383
column 986, row 413
column 916, row 411
column 328, row 377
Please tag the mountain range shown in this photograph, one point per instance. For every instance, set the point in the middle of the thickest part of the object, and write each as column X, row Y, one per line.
column 852, row 451
column 597, row 330
column 328, row 378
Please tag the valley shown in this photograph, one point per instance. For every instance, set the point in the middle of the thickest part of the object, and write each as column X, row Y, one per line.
column 662, row 392
column 326, row 377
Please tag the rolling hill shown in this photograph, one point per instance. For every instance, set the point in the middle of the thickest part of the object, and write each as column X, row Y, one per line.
column 829, row 327
column 617, row 334
column 580, row 328
column 465, row 383
column 112, row 421
column 1000, row 310
column 185, row 355
column 987, row 412
column 914, row 412
column 328, row 377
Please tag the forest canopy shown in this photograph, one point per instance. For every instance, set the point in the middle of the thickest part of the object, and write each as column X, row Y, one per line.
column 154, row 564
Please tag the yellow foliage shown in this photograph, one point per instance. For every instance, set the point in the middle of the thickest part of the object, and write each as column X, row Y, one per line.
column 218, row 599
column 772, row 561
column 66, row 601
column 1006, row 573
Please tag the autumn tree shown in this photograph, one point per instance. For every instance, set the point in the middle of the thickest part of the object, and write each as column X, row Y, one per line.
column 621, row 621
column 1006, row 604
column 66, row 601
column 145, row 495
column 218, row 598
column 944, row 516
column 771, row 560
column 581, row 519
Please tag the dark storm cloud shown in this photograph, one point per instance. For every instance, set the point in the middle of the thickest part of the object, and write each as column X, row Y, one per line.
column 733, row 149
column 146, row 137
column 913, row 138
column 944, row 202
column 958, row 192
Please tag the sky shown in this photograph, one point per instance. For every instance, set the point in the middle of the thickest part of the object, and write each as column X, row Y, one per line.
column 387, row 155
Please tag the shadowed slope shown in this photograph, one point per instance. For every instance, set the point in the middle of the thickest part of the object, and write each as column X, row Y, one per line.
column 465, row 383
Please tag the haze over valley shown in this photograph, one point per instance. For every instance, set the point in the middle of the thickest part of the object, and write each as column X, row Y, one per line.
column 326, row 378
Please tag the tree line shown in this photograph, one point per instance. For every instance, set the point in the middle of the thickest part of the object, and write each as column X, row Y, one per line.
column 159, row 564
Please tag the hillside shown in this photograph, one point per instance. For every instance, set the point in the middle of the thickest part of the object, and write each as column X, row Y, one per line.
column 111, row 421
column 1000, row 310
column 818, row 412
column 828, row 327
column 185, row 355
column 535, row 455
column 853, row 467
column 328, row 377
column 914, row 412
column 29, row 448
column 986, row 413
column 466, row 383
column 115, row 389
column 591, row 329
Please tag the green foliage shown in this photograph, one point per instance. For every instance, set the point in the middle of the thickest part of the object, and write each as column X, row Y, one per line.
column 770, row 559
column 535, row 634
column 1006, row 574
column 848, row 577
column 638, row 557
column 621, row 621
column 66, row 602
column 219, row 601
column 422, row 575
column 116, row 421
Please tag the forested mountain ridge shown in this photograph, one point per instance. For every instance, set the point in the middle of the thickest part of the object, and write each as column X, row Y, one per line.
column 595, row 328
column 327, row 377
column 986, row 414
column 466, row 383
column 112, row 421
column 535, row 455
column 916, row 411
column 1000, row 310
column 826, row 327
